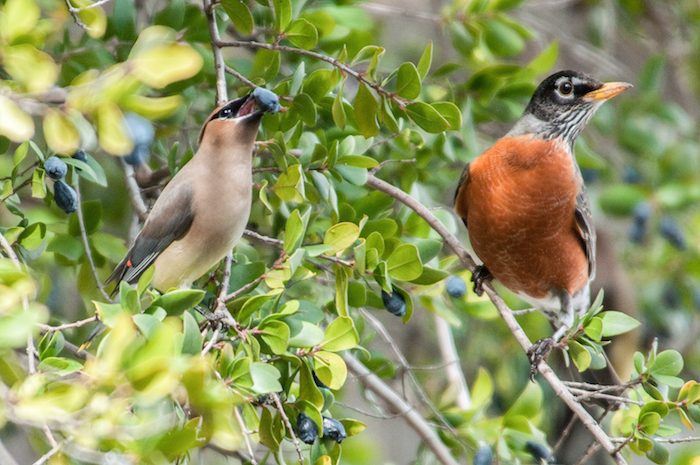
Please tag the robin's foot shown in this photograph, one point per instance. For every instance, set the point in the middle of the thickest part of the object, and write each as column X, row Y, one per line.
column 538, row 352
column 480, row 274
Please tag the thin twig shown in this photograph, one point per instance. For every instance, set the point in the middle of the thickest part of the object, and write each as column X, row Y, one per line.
column 665, row 440
column 45, row 458
column 506, row 313
column 373, row 383
column 214, row 339
column 243, row 289
column 246, row 436
column 84, row 238
column 288, row 425
column 384, row 333
column 240, row 77
column 582, row 395
column 219, row 65
column 592, row 449
column 357, row 75
column 455, row 375
column 278, row 243
column 74, row 324
column 132, row 188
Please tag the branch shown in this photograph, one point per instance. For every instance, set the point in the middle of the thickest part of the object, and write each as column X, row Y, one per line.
column 455, row 375
column 357, row 75
column 132, row 188
column 288, row 425
column 552, row 379
column 219, row 65
column 5, row 456
column 75, row 324
column 84, row 238
column 278, row 243
column 373, row 383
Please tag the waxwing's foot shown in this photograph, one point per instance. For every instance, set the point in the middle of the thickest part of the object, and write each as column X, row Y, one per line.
column 538, row 352
column 480, row 274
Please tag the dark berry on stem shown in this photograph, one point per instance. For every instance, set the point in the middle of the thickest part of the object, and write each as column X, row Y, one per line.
column 55, row 168
column 483, row 456
column 455, row 286
column 65, row 197
column 394, row 303
column 306, row 429
column 333, row 429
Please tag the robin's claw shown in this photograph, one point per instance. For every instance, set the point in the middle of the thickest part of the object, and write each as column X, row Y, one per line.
column 538, row 352
column 480, row 274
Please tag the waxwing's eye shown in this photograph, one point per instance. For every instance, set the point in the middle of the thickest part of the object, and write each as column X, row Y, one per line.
column 226, row 113
column 565, row 88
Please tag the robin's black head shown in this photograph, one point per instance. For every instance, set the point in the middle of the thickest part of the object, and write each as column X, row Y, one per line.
column 564, row 102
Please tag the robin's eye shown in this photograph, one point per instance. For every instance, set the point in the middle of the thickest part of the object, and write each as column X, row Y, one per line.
column 566, row 88
column 226, row 113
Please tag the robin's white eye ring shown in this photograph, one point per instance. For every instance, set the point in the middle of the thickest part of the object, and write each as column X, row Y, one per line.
column 566, row 88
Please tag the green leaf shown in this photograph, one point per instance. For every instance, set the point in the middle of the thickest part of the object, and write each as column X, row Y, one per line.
column 425, row 61
column 482, row 389
column 340, row 335
column 545, row 60
column 294, row 230
column 38, row 184
column 60, row 366
column 594, row 329
column 308, row 391
column 365, row 108
column 92, row 214
column 659, row 454
column 615, row 323
column 620, row 199
column 338, row 111
column 451, row 113
column 163, row 65
column 276, row 335
column 192, row 338
column 60, row 133
column 303, row 106
column 240, row 15
column 649, row 422
column 33, row 69
column 408, row 81
column 404, row 263
column 283, row 14
column 177, row 301
column 290, row 185
column 426, row 117
column 265, row 378
column 305, row 334
column 667, row 363
column 92, row 171
column 330, row 369
column 18, row 17
column 302, row 33
column 502, row 39
column 340, row 236
column 580, row 356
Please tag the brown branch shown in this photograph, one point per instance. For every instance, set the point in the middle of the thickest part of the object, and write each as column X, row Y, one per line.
column 373, row 383
column 75, row 324
column 357, row 75
column 288, row 425
column 219, row 65
column 506, row 313
column 240, row 77
column 84, row 238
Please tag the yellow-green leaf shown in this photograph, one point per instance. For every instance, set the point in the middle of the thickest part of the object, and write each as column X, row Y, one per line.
column 60, row 133
column 341, row 236
column 111, row 130
column 164, row 64
column 404, row 263
column 153, row 107
column 18, row 17
column 15, row 124
column 94, row 19
column 240, row 15
column 302, row 34
column 366, row 112
column 32, row 68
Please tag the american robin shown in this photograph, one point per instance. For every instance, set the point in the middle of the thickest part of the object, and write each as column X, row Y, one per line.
column 525, row 205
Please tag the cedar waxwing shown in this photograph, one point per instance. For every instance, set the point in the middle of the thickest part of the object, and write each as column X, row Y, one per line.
column 202, row 212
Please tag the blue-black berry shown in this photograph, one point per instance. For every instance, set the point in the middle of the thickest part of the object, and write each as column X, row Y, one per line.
column 333, row 429
column 631, row 175
column 640, row 215
column 142, row 132
column 307, row 430
column 455, row 286
column 539, row 452
column 483, row 456
column 394, row 303
column 65, row 197
column 266, row 100
column 80, row 155
column 55, row 168
column 671, row 231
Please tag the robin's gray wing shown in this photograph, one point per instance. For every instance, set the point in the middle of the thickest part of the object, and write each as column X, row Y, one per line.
column 169, row 221
column 585, row 229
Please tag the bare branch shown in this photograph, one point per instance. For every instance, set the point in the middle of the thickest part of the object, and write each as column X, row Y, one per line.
column 45, row 458
column 455, row 375
column 288, row 425
column 240, row 77
column 506, row 314
column 84, row 238
column 373, row 383
column 75, row 324
column 357, row 75
column 219, row 65
column 246, row 436
column 132, row 188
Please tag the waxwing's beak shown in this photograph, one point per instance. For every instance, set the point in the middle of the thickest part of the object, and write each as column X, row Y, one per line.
column 607, row 91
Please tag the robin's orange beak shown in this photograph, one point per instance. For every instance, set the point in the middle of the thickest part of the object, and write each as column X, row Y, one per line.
column 608, row 91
